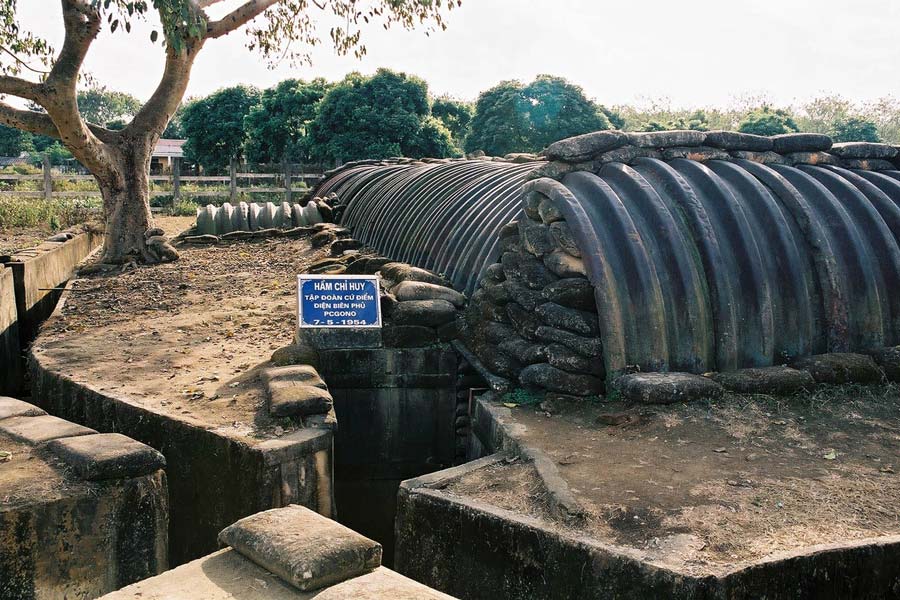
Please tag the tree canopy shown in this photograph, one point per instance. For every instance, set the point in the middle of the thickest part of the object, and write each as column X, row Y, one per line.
column 556, row 109
column 387, row 114
column 768, row 121
column 456, row 115
column 277, row 127
column 13, row 142
column 697, row 121
column 499, row 125
column 102, row 106
column 214, row 126
column 512, row 117
column 855, row 129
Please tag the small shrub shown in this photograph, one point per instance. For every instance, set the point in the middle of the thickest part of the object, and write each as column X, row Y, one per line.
column 184, row 208
column 522, row 397
column 37, row 212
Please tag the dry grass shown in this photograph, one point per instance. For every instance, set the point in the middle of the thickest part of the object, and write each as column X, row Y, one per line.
column 515, row 487
column 753, row 520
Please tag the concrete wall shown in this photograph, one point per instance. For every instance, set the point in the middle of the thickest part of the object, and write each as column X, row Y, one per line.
column 37, row 271
column 472, row 550
column 85, row 546
column 10, row 356
column 27, row 297
column 396, row 409
column 64, row 531
column 214, row 480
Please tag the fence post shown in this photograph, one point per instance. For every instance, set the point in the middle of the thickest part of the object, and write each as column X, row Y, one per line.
column 176, row 180
column 233, row 172
column 287, row 181
column 48, row 178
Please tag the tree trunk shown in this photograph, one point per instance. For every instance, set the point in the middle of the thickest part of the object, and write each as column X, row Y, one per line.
column 126, row 206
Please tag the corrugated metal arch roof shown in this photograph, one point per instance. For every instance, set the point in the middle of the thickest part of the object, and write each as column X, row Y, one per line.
column 439, row 216
column 730, row 264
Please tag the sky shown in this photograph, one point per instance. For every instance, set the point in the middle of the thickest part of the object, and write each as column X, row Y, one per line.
column 691, row 52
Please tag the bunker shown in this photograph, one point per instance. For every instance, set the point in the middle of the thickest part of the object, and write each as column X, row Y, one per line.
column 660, row 267
column 703, row 251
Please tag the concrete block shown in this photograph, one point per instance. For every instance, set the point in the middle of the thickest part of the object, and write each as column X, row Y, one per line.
column 302, row 547
column 43, row 428
column 39, row 272
column 666, row 388
column 299, row 374
column 10, row 407
column 107, row 456
column 841, row 367
column 64, row 537
column 330, row 339
column 234, row 475
column 288, row 399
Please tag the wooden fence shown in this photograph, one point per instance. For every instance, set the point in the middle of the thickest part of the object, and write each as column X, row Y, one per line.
column 282, row 183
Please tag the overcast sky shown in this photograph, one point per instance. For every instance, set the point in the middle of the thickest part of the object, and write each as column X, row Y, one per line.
column 694, row 52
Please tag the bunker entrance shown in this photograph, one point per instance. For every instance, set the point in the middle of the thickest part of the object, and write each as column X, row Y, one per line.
column 397, row 415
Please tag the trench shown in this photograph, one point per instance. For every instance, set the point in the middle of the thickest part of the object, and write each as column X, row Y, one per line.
column 398, row 418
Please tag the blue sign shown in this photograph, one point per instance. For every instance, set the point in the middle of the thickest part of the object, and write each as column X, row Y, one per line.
column 338, row 301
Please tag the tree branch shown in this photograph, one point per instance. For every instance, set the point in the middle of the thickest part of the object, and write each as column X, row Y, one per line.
column 157, row 111
column 238, row 17
column 58, row 93
column 28, row 120
column 41, row 124
column 82, row 24
column 22, row 88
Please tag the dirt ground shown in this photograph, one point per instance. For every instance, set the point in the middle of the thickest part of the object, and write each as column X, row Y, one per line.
column 186, row 338
column 705, row 488
column 29, row 475
column 12, row 240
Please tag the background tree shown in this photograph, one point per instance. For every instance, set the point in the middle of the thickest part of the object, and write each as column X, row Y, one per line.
column 102, row 106
column 173, row 130
column 614, row 116
column 821, row 114
column 432, row 140
column 556, row 109
column 855, row 129
column 885, row 113
column 499, row 125
column 456, row 115
column 768, row 121
column 696, row 120
column 56, row 152
column 15, row 142
column 380, row 116
column 278, row 126
column 214, row 126
column 511, row 117
column 32, row 70
column 839, row 118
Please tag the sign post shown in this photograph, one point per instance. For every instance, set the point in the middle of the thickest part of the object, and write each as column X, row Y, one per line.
column 338, row 301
